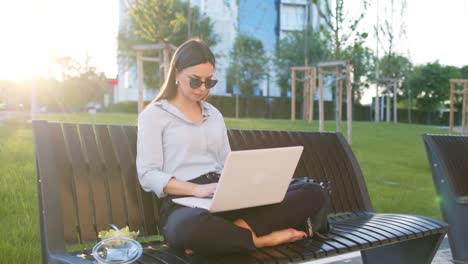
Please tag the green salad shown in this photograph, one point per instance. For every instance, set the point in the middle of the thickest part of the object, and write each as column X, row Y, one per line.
column 123, row 232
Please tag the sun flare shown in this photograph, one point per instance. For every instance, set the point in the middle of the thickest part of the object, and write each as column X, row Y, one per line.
column 35, row 32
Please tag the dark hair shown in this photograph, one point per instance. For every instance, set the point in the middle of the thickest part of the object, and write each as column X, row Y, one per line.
column 190, row 53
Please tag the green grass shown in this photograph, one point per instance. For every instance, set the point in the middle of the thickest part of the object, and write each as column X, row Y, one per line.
column 391, row 156
column 19, row 227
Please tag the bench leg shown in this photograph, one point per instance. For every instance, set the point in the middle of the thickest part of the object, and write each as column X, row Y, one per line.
column 458, row 246
column 420, row 250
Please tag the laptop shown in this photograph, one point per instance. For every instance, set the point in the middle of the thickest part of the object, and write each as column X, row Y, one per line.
column 250, row 178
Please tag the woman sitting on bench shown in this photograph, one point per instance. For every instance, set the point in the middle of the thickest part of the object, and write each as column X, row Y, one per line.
column 182, row 145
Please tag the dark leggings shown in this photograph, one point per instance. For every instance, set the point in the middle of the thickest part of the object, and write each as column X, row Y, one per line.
column 202, row 231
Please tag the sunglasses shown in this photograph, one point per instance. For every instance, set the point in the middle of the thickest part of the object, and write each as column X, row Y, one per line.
column 196, row 83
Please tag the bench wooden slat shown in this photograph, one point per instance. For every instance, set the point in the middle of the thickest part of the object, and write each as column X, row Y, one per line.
column 407, row 229
column 307, row 167
column 84, row 196
column 213, row 259
column 129, row 177
column 283, row 139
column 407, row 222
column 65, row 179
column 239, row 258
column 454, row 150
column 149, row 257
column 98, row 180
column 385, row 220
column 369, row 220
column 262, row 257
column 294, row 256
column 306, row 253
column 313, row 167
column 337, row 245
column 320, row 147
column 355, row 175
column 146, row 199
column 312, row 164
column 435, row 225
column 343, row 240
column 380, row 234
column 373, row 241
column 277, row 255
column 340, row 183
column 112, row 172
column 243, row 140
column 256, row 140
column 419, row 230
column 252, row 139
column 316, row 152
column 345, row 172
column 422, row 221
column 236, row 140
column 359, row 201
column 361, row 243
column 372, row 225
column 315, row 246
column 165, row 253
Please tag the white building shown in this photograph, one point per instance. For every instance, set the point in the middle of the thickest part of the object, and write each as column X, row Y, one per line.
column 267, row 20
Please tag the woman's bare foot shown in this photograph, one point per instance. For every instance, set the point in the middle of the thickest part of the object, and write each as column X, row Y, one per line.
column 274, row 238
column 189, row 252
column 284, row 236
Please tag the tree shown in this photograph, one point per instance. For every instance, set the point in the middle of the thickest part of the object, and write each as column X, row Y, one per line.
column 80, row 83
column 342, row 31
column 287, row 55
column 336, row 26
column 363, row 64
column 248, row 64
column 429, row 85
column 464, row 72
column 161, row 21
column 394, row 66
column 391, row 65
column 387, row 29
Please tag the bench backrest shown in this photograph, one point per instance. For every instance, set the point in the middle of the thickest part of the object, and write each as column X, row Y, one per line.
column 87, row 176
column 449, row 158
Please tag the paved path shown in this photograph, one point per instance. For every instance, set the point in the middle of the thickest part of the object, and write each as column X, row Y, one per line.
column 6, row 115
column 443, row 256
column 456, row 129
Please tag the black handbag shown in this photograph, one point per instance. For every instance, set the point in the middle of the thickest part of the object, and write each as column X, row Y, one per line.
column 319, row 224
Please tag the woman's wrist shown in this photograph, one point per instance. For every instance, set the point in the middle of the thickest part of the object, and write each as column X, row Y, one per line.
column 177, row 187
column 192, row 189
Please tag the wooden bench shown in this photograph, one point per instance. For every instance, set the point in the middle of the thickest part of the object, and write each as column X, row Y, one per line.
column 448, row 159
column 87, row 180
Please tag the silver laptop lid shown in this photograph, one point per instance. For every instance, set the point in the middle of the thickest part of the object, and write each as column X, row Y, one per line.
column 255, row 177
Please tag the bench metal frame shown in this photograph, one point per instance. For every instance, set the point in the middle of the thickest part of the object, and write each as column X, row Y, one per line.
column 448, row 159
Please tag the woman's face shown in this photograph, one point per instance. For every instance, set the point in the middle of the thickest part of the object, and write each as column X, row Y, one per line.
column 193, row 81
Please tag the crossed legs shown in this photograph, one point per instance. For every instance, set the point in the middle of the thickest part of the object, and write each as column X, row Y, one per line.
column 246, row 229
